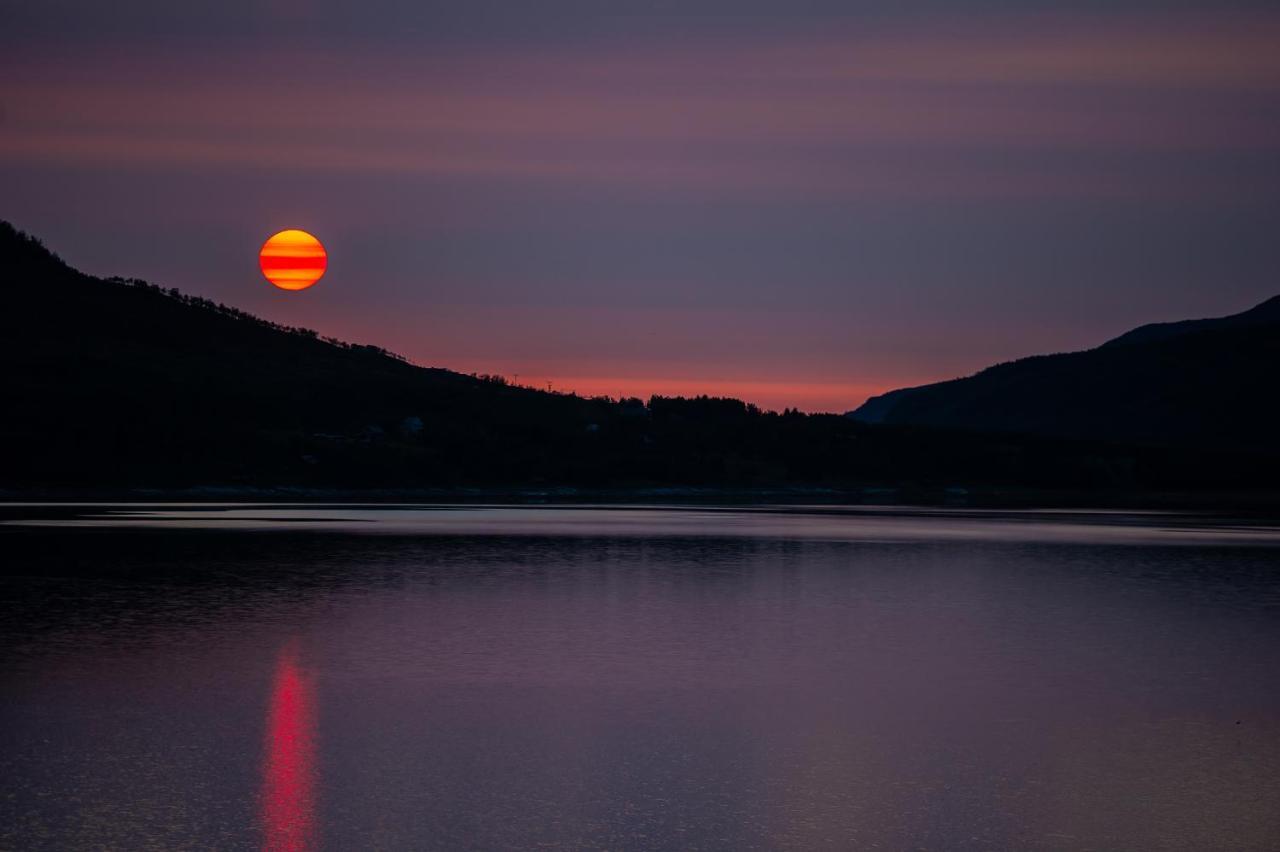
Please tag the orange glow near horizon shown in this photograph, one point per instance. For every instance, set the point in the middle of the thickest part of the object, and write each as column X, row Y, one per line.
column 293, row 260
column 288, row 771
column 812, row 397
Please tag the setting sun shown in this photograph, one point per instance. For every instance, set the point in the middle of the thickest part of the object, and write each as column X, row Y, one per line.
column 293, row 260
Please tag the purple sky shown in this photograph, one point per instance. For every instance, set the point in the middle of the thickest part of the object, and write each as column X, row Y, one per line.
column 795, row 203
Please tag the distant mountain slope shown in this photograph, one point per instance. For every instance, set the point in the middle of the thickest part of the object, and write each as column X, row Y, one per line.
column 1210, row 382
column 1267, row 313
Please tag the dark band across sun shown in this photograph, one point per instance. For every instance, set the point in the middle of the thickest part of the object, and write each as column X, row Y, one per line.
column 293, row 260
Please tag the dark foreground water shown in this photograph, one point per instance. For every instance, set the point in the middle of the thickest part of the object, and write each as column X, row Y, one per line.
column 481, row 678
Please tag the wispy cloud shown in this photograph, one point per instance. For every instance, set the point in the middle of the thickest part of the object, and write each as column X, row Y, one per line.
column 1046, row 106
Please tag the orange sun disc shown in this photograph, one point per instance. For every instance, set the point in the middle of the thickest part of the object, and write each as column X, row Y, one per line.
column 293, row 260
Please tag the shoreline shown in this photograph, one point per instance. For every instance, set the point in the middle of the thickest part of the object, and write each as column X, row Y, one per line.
column 957, row 497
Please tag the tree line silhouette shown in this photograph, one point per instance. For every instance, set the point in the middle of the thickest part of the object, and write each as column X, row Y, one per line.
column 117, row 384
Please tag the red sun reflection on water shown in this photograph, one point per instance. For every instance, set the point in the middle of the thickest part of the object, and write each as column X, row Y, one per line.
column 288, row 769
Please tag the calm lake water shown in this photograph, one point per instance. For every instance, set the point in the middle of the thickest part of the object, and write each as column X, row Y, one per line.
column 288, row 677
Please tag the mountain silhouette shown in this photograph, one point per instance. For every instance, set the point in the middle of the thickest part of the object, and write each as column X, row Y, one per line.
column 1204, row 382
column 114, row 385
column 1265, row 314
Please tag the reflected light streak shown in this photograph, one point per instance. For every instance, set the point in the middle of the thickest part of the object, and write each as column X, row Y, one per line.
column 288, row 769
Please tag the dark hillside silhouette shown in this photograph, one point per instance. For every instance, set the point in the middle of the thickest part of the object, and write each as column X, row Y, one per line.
column 1199, row 383
column 118, row 384
column 1265, row 314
